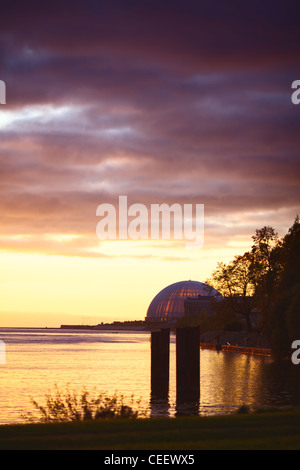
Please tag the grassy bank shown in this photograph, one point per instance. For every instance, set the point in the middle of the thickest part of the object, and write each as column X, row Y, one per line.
column 280, row 430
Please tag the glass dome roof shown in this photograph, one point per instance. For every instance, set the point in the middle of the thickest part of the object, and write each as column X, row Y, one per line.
column 168, row 304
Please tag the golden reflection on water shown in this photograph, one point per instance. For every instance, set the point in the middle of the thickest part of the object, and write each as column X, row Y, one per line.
column 111, row 361
column 229, row 380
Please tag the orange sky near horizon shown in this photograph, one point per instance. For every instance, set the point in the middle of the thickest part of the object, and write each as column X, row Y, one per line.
column 40, row 290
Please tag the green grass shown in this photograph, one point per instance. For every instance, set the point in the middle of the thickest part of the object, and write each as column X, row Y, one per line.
column 276, row 430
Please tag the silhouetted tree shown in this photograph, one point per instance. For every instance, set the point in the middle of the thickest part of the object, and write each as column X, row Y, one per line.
column 277, row 327
column 266, row 268
column 291, row 257
column 284, row 319
column 267, row 277
column 235, row 282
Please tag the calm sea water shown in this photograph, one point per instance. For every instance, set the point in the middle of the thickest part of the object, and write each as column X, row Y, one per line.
column 37, row 359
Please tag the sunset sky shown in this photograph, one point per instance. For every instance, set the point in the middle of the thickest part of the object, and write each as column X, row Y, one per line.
column 162, row 101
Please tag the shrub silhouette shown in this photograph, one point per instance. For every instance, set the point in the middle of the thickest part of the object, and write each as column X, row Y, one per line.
column 73, row 406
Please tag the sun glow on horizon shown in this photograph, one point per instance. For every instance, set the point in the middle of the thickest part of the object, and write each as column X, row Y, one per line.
column 50, row 290
column 54, row 278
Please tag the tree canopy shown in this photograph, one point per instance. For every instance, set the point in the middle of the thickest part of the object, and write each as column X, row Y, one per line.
column 266, row 279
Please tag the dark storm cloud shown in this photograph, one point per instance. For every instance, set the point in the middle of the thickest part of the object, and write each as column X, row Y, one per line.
column 163, row 101
column 184, row 32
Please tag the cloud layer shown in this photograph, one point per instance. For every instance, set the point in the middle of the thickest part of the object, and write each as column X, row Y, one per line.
column 185, row 102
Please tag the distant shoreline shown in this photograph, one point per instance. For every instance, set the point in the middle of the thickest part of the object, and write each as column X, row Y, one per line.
column 105, row 326
column 137, row 325
column 240, row 342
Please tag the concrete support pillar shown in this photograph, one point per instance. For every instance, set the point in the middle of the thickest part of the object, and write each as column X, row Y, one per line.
column 188, row 364
column 160, row 358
